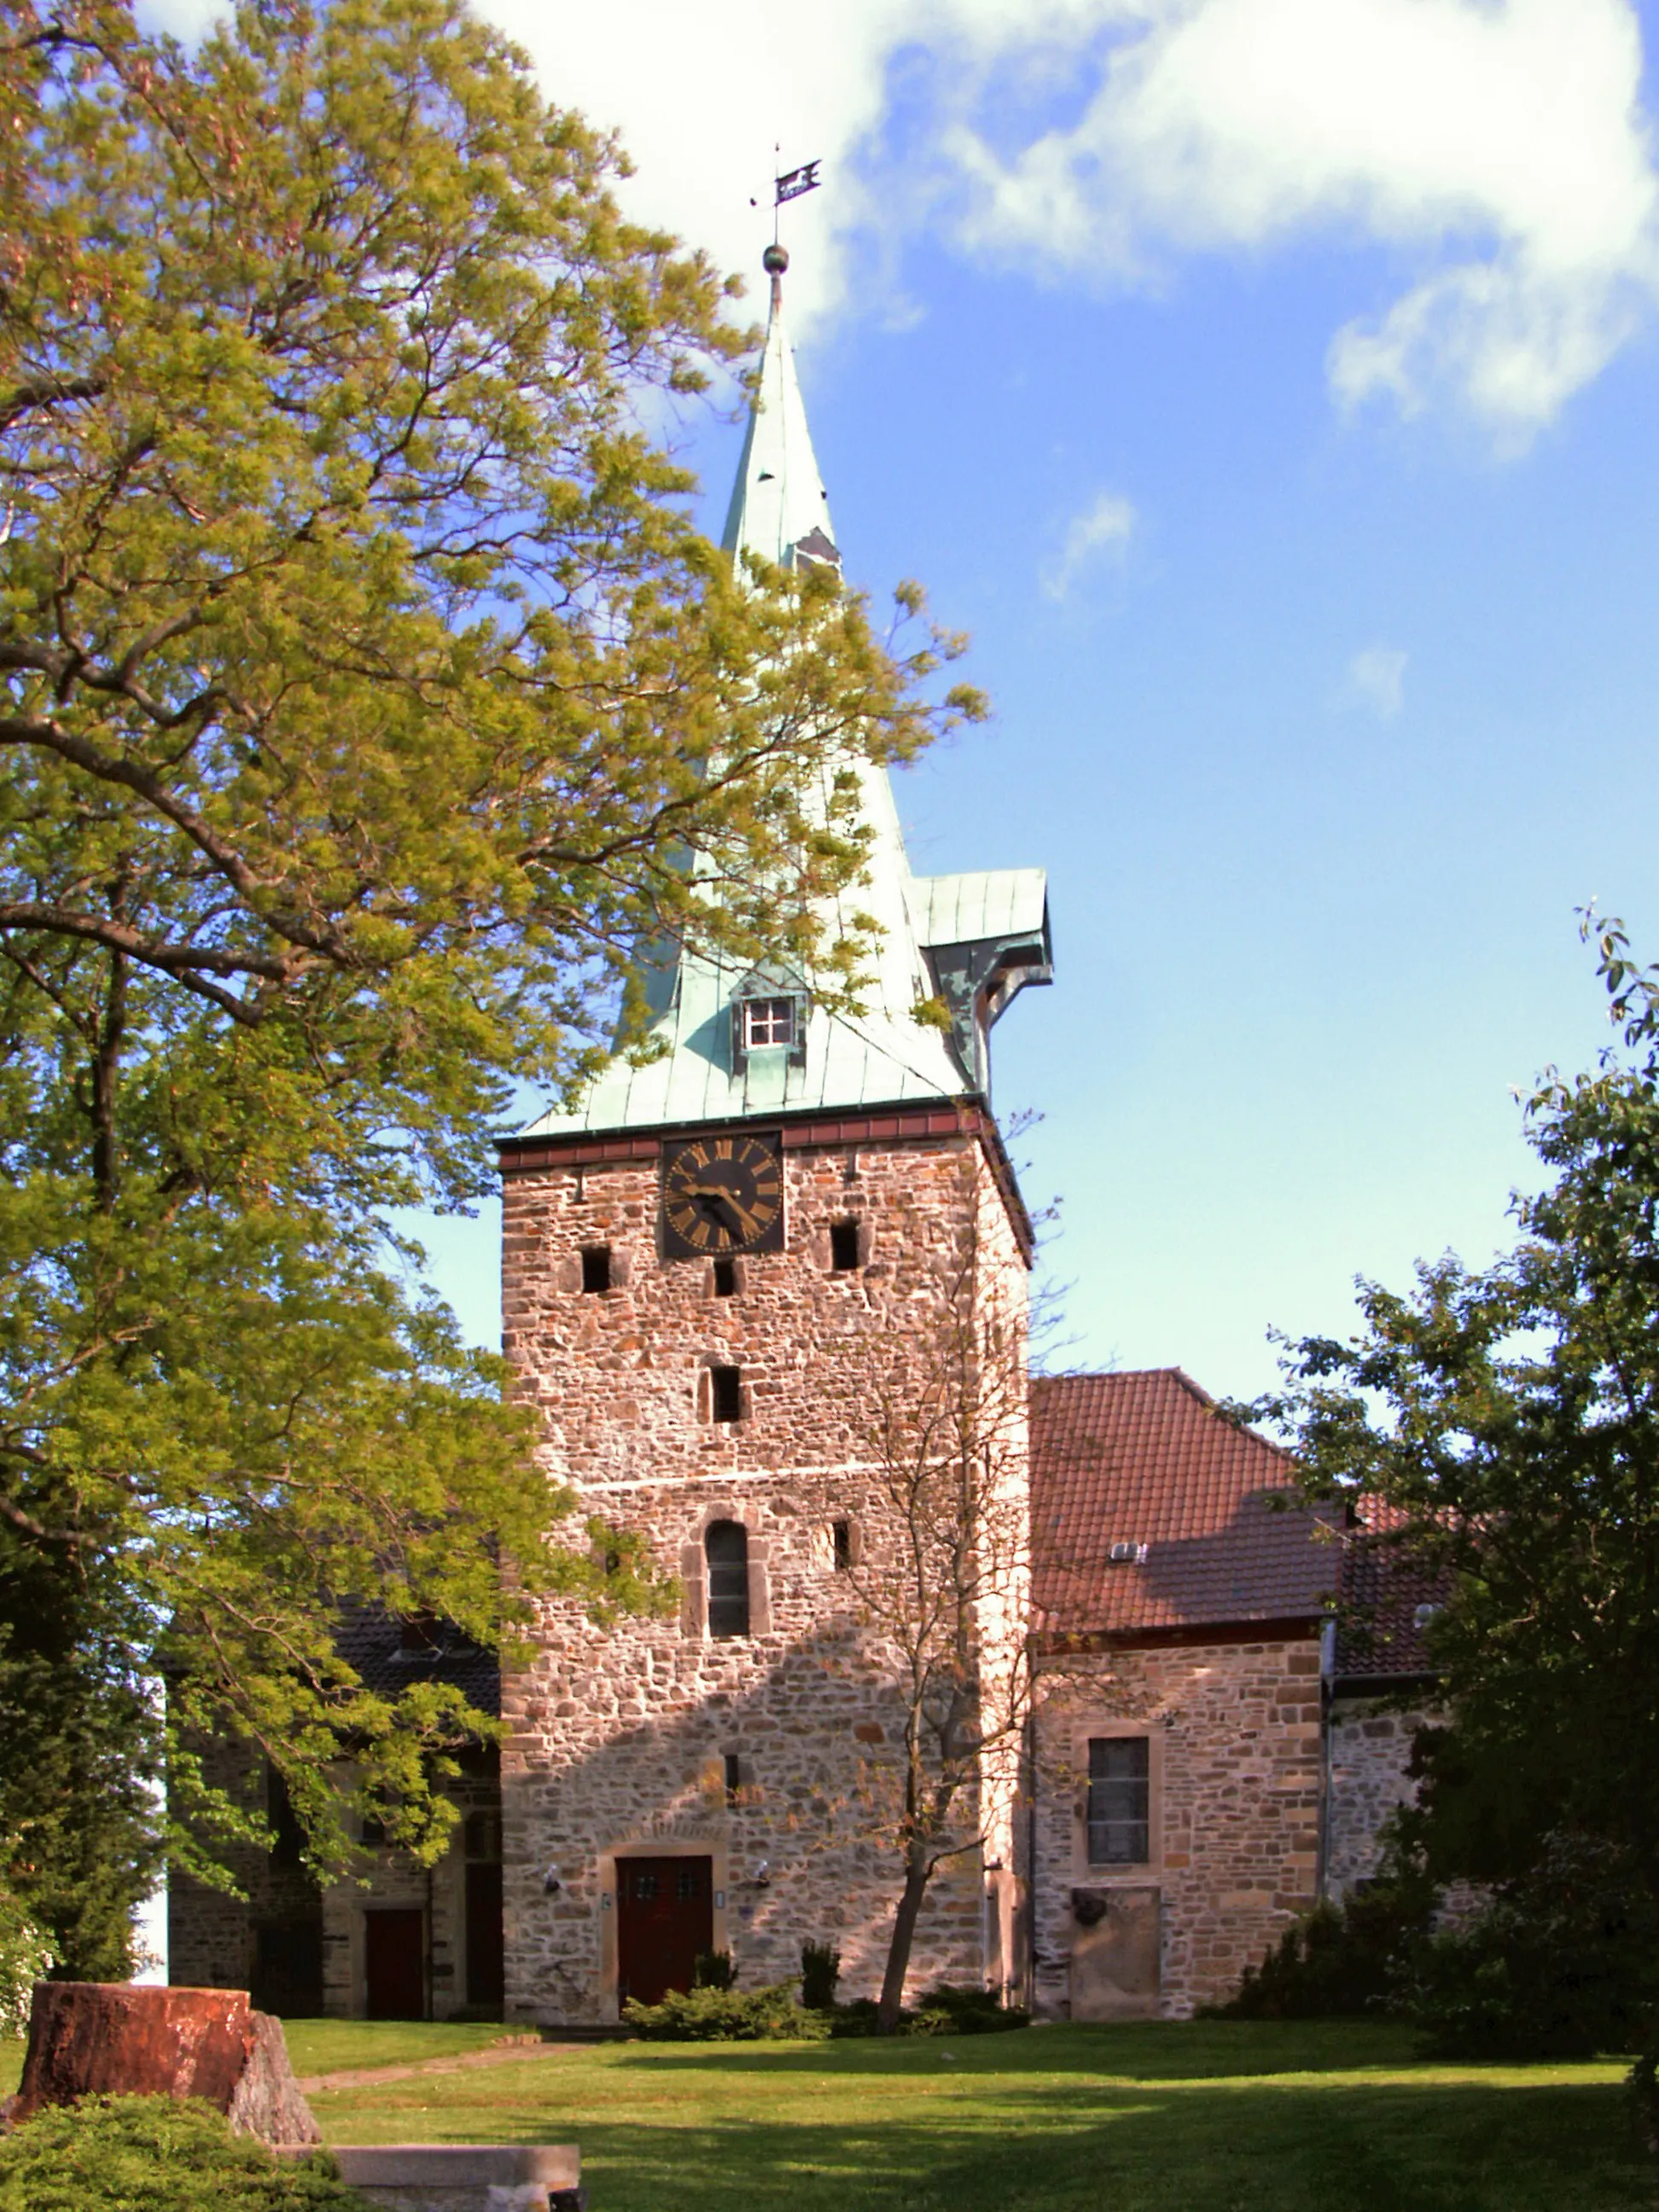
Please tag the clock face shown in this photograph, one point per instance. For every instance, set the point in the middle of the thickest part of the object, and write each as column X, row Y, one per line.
column 722, row 1195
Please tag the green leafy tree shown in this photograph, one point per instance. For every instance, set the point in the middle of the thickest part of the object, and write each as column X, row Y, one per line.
column 1510, row 1416
column 369, row 697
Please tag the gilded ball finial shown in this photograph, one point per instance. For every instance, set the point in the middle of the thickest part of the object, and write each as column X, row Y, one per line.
column 774, row 261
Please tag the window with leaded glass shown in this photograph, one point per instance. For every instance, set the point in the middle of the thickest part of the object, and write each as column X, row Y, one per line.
column 1120, row 1801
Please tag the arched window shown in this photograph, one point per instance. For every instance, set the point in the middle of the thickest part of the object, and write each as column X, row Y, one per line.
column 726, row 1549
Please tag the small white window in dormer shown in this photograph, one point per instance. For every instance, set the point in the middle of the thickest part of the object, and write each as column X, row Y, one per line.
column 768, row 1022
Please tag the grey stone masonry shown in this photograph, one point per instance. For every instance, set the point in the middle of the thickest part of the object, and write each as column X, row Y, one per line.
column 1233, row 1730
column 771, row 1753
column 1367, row 1758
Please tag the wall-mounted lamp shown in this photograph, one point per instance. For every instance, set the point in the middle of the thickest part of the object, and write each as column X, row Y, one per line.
column 764, row 1874
column 551, row 1882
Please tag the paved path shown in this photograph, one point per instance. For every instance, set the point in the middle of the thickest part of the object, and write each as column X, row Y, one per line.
column 513, row 2054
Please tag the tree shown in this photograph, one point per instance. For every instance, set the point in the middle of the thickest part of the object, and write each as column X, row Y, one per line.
column 1510, row 1416
column 941, row 1581
column 369, row 695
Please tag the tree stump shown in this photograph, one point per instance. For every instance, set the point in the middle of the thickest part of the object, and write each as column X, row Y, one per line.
column 110, row 2038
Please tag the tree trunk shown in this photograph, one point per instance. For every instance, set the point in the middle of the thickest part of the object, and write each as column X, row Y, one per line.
column 898, row 1951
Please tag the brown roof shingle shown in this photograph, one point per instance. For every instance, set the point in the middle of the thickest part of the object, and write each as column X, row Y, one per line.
column 1145, row 1460
column 1388, row 1596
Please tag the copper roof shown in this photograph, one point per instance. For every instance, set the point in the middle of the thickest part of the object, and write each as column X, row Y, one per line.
column 1145, row 1461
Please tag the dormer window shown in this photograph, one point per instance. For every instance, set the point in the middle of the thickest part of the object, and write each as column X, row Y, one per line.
column 768, row 1022
column 769, row 1016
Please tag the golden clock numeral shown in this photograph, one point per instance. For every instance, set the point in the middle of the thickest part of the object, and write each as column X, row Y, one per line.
column 682, row 1217
column 700, row 1155
column 699, row 1234
column 723, row 1148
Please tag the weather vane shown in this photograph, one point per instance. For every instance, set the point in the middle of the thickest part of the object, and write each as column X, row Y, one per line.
column 795, row 182
column 790, row 186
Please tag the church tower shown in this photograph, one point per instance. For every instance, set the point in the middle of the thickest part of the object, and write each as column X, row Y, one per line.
column 727, row 1280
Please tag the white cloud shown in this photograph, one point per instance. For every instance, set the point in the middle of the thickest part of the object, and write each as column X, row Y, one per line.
column 1498, row 143
column 1105, row 525
column 1497, row 147
column 1376, row 681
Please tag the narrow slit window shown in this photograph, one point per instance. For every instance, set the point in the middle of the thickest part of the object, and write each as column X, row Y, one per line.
column 596, row 1267
column 840, row 1534
column 726, row 1393
column 734, row 1777
column 725, row 1547
column 768, row 1022
column 844, row 1246
column 725, row 1278
column 1120, row 1801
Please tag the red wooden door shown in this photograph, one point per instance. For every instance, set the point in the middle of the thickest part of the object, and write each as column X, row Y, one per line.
column 394, row 1957
column 665, row 1917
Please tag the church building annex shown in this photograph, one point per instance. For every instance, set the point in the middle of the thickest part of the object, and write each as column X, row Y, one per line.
column 714, row 1273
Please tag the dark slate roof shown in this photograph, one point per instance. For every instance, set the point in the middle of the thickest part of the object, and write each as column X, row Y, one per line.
column 1144, row 1459
column 1385, row 1597
column 371, row 1641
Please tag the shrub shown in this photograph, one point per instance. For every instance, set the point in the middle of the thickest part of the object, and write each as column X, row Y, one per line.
column 1563, row 1962
column 951, row 2010
column 157, row 2155
column 25, row 1958
column 820, row 1970
column 709, row 2016
column 713, row 1970
column 1339, row 1959
column 947, row 2009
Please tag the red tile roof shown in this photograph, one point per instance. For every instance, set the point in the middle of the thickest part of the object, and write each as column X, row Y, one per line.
column 1144, row 1459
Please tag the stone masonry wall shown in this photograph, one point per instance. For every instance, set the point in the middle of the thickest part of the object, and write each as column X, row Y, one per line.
column 211, row 1935
column 619, row 1740
column 212, row 1938
column 1235, row 1730
column 1370, row 1747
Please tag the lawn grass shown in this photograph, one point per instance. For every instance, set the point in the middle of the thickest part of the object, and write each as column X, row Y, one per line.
column 333, row 2046
column 1216, row 2117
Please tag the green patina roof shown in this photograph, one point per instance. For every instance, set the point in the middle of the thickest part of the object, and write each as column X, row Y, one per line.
column 974, row 938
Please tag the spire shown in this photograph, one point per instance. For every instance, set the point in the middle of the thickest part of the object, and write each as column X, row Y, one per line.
column 778, row 502
column 971, row 940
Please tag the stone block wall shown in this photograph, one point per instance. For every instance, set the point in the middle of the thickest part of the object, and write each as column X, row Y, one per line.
column 1369, row 1751
column 213, row 1937
column 618, row 1742
column 1235, row 1735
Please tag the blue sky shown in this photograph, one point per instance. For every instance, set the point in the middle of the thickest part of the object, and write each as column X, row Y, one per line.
column 1271, row 387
